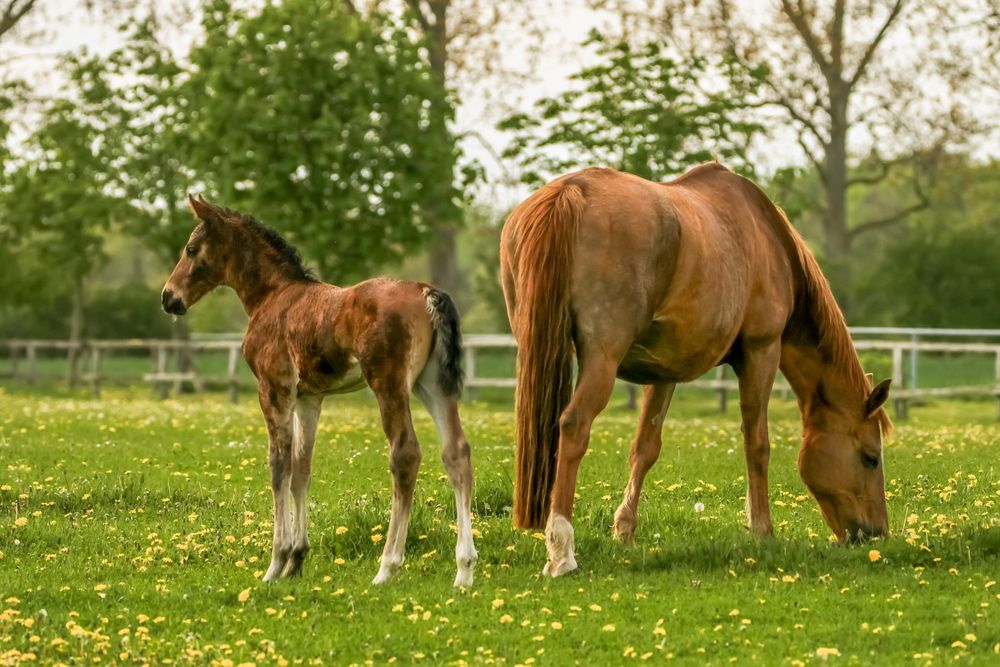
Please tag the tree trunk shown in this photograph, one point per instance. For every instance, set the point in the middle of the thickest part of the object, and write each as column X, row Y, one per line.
column 837, row 239
column 179, row 330
column 443, row 256
column 75, row 331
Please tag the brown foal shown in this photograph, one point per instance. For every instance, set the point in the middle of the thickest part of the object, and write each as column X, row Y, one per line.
column 657, row 283
column 306, row 340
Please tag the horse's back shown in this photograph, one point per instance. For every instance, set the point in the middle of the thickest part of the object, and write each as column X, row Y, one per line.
column 669, row 275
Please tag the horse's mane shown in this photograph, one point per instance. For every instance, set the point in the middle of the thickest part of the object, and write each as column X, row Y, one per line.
column 816, row 313
column 287, row 254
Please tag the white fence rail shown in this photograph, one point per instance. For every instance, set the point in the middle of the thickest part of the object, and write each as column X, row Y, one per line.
column 24, row 356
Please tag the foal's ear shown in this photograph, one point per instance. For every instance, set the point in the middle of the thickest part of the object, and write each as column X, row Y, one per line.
column 203, row 210
column 878, row 396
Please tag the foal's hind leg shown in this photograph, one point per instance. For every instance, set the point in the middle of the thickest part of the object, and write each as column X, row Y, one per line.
column 593, row 389
column 304, row 423
column 404, row 461
column 456, row 456
column 645, row 451
column 756, row 370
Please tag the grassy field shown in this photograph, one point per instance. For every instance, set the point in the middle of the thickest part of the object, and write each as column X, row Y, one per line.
column 135, row 531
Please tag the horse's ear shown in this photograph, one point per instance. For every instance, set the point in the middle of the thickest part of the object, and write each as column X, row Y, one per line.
column 871, row 378
column 202, row 209
column 877, row 397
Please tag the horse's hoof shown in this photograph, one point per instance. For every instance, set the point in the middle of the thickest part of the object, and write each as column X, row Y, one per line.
column 387, row 571
column 624, row 530
column 558, row 569
column 463, row 579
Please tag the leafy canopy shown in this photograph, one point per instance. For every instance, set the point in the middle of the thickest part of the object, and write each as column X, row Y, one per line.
column 320, row 122
column 641, row 109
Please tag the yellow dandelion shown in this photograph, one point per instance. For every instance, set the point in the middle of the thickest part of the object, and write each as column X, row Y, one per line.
column 506, row 618
column 555, row 625
column 970, row 637
column 958, row 644
column 341, row 530
column 497, row 603
column 244, row 595
column 595, row 607
column 376, row 537
column 610, row 627
column 21, row 521
column 826, row 652
column 874, row 555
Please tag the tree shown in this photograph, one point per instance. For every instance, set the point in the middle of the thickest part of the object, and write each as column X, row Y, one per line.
column 321, row 122
column 640, row 109
column 886, row 80
column 462, row 38
column 58, row 200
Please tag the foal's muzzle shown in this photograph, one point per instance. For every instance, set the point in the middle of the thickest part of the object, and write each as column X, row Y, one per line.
column 172, row 304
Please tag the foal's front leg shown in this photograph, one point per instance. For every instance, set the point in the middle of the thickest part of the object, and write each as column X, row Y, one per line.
column 304, row 423
column 277, row 403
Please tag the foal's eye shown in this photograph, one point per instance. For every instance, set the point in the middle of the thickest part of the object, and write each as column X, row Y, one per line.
column 870, row 460
column 192, row 250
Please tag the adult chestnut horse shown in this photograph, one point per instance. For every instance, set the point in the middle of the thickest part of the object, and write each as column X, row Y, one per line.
column 657, row 283
column 306, row 340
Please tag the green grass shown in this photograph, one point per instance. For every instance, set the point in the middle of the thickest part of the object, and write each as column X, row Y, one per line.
column 135, row 531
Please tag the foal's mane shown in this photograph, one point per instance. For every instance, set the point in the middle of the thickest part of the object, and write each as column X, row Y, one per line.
column 287, row 254
column 817, row 314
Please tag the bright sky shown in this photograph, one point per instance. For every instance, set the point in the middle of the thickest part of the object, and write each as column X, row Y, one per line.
column 64, row 25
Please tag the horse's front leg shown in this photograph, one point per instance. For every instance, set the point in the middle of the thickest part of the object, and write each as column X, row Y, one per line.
column 404, row 461
column 756, row 369
column 304, row 422
column 277, row 403
column 645, row 451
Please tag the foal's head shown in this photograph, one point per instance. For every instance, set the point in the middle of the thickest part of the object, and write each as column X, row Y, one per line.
column 202, row 265
column 841, row 463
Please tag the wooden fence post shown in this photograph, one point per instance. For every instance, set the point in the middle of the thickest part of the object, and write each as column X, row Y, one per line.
column 996, row 389
column 898, row 377
column 720, row 375
column 231, row 369
column 470, row 371
column 161, row 367
column 32, row 351
column 95, row 371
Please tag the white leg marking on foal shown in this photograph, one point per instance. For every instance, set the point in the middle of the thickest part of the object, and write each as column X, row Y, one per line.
column 282, row 541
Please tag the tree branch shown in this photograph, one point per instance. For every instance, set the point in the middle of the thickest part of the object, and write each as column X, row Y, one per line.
column 870, row 51
column 894, row 218
column 798, row 19
column 12, row 14
column 419, row 14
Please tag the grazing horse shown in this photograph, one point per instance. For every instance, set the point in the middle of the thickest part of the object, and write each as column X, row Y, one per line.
column 657, row 283
column 306, row 340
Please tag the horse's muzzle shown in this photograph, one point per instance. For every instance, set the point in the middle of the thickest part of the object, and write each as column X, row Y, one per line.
column 172, row 304
column 857, row 534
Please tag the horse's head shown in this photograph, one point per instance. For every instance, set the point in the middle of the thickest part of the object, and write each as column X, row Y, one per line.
column 201, row 267
column 841, row 463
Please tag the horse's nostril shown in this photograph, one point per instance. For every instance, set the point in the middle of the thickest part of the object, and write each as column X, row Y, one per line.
column 166, row 297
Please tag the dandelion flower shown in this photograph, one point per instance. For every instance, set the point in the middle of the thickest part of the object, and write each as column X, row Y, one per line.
column 874, row 555
column 341, row 530
column 244, row 595
column 699, row 507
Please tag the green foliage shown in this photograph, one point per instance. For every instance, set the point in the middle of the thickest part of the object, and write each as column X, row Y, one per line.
column 320, row 122
column 644, row 110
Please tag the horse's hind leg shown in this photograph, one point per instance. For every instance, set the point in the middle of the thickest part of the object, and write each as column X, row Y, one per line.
column 756, row 369
column 304, row 423
column 404, row 461
column 645, row 451
column 593, row 389
column 457, row 461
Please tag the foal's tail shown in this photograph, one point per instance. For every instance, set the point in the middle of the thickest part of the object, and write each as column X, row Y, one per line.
column 447, row 340
column 545, row 228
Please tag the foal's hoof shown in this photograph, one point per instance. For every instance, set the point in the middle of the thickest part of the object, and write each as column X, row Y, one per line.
column 559, row 568
column 275, row 570
column 387, row 571
column 466, row 564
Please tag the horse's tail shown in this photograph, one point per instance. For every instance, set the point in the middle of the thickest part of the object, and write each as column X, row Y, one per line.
column 447, row 340
column 544, row 228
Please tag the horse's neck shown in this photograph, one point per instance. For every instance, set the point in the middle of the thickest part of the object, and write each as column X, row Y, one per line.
column 818, row 384
column 254, row 277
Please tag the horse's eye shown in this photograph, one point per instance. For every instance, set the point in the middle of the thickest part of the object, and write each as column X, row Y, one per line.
column 870, row 460
column 192, row 250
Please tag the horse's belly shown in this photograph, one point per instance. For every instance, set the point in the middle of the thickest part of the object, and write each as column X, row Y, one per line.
column 668, row 353
column 326, row 378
